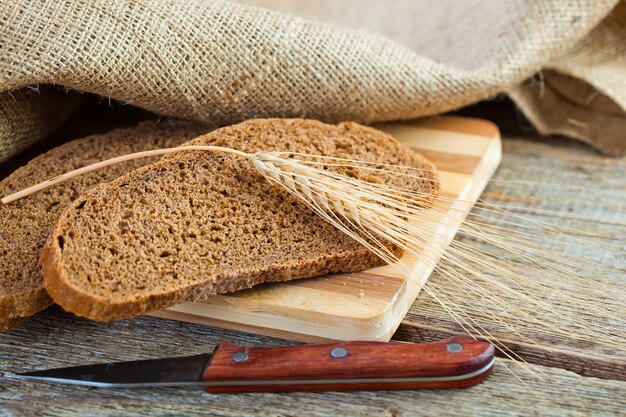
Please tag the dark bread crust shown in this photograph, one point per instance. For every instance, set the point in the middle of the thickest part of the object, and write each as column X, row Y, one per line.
column 26, row 224
column 8, row 324
column 23, row 304
column 131, row 246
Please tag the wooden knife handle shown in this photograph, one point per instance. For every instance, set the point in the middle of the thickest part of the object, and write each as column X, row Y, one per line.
column 452, row 363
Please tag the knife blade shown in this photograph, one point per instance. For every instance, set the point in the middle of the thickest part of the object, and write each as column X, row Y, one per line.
column 453, row 363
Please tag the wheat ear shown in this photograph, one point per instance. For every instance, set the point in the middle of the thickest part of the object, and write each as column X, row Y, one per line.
column 486, row 296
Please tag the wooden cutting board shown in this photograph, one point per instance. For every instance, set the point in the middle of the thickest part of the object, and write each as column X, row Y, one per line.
column 366, row 305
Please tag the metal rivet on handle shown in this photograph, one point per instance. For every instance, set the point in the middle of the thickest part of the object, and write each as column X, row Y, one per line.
column 240, row 356
column 339, row 353
column 454, row 347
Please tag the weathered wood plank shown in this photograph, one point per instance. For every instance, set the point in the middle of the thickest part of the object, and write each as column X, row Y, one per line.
column 63, row 340
column 604, row 200
column 54, row 338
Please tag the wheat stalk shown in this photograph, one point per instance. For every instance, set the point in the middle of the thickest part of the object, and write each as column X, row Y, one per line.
column 378, row 214
column 485, row 295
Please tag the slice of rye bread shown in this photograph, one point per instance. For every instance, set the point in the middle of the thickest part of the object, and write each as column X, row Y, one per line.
column 196, row 224
column 26, row 223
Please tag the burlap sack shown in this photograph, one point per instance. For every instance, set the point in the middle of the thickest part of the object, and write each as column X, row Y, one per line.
column 223, row 62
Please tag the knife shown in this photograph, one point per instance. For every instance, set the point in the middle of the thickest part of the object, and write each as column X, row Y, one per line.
column 453, row 363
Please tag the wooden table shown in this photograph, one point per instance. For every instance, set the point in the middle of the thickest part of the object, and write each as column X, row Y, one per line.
column 54, row 338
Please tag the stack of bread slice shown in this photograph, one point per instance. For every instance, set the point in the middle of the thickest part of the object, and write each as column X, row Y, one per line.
column 127, row 240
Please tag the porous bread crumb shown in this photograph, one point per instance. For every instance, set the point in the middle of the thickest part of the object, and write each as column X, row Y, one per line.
column 197, row 224
column 25, row 224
